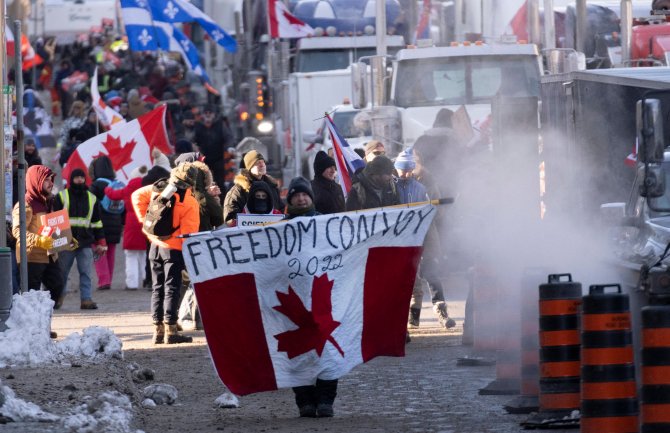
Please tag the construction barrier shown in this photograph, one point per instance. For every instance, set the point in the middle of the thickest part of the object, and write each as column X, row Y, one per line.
column 527, row 401
column 559, row 353
column 655, row 390
column 608, row 391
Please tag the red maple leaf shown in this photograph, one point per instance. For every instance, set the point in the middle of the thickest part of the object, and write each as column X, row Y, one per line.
column 292, row 19
column 314, row 327
column 120, row 156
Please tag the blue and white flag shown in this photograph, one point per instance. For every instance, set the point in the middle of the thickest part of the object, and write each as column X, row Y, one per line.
column 181, row 11
column 347, row 161
column 146, row 33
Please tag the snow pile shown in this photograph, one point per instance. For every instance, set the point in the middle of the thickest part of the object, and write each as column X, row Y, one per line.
column 160, row 393
column 110, row 412
column 21, row 410
column 227, row 400
column 95, row 341
column 26, row 341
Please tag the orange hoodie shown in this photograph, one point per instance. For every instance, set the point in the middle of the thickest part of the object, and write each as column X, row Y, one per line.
column 185, row 216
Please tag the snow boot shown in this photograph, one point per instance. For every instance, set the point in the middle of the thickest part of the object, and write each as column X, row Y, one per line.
column 325, row 410
column 441, row 311
column 159, row 333
column 307, row 411
column 414, row 315
column 172, row 336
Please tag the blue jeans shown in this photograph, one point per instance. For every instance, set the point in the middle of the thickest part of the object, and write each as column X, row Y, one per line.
column 84, row 258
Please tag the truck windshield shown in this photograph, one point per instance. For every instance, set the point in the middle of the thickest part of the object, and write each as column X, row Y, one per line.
column 344, row 122
column 664, row 201
column 327, row 60
column 464, row 80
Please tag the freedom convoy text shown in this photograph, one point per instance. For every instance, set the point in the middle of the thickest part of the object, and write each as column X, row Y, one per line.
column 309, row 246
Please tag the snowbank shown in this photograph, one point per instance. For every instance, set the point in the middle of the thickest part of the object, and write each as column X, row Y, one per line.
column 26, row 341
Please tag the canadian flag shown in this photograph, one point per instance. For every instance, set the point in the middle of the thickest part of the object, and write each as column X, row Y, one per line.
column 30, row 58
column 312, row 297
column 283, row 24
column 128, row 146
column 106, row 114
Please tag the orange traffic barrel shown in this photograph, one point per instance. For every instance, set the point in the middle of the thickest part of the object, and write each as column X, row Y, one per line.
column 527, row 401
column 609, row 394
column 655, row 390
column 486, row 323
column 560, row 300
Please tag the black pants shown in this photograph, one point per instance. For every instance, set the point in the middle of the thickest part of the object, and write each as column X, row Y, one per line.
column 324, row 392
column 166, row 267
column 48, row 274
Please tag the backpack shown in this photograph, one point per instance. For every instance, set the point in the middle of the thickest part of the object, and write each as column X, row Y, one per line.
column 159, row 217
column 109, row 205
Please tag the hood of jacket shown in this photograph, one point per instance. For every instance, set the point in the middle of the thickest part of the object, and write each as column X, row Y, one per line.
column 35, row 197
column 245, row 179
column 102, row 167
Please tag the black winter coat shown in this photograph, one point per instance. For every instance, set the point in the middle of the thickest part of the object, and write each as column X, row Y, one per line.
column 364, row 195
column 238, row 195
column 328, row 196
column 112, row 224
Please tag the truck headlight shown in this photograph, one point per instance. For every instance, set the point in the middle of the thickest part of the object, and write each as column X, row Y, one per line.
column 265, row 127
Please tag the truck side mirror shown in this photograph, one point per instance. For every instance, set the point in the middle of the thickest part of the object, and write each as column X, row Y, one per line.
column 359, row 79
column 649, row 125
column 654, row 182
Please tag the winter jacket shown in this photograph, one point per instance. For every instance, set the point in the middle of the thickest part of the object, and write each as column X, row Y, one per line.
column 185, row 216
column 364, row 195
column 84, row 212
column 238, row 195
column 211, row 212
column 36, row 206
column 212, row 140
column 133, row 237
column 101, row 168
column 328, row 195
column 410, row 191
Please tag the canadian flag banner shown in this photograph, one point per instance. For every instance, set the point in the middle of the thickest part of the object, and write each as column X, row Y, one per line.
column 283, row 24
column 128, row 146
column 307, row 298
column 106, row 114
column 30, row 58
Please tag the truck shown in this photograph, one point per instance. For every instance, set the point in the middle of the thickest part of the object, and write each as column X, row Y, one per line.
column 425, row 81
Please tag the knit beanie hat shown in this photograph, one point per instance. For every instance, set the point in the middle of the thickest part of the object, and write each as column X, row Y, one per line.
column 321, row 162
column 251, row 158
column 379, row 165
column 372, row 145
column 299, row 184
column 138, row 172
column 405, row 160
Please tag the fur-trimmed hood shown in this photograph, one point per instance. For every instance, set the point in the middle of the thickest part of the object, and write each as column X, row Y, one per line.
column 244, row 179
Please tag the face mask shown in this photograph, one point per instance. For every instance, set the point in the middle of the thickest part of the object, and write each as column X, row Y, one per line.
column 262, row 206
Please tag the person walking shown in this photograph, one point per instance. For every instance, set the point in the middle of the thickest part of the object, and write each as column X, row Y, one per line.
column 84, row 213
column 411, row 191
column 312, row 400
column 134, row 241
column 102, row 173
column 167, row 261
column 328, row 195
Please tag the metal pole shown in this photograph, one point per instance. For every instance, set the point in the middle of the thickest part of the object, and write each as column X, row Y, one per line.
column 534, row 22
column 549, row 25
column 3, row 236
column 580, row 36
column 626, row 30
column 23, row 266
column 380, row 23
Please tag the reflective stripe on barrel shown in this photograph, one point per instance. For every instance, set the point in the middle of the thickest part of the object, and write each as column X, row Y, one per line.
column 559, row 344
column 608, row 391
column 655, row 390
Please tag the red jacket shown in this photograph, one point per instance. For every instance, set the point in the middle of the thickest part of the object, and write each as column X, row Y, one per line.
column 133, row 237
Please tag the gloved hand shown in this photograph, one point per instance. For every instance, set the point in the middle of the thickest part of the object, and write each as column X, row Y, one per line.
column 44, row 242
column 73, row 245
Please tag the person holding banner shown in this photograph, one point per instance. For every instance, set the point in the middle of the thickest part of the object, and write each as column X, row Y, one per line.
column 255, row 170
column 328, row 195
column 312, row 400
column 411, row 191
column 374, row 186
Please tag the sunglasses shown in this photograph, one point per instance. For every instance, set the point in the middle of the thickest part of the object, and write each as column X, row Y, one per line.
column 378, row 152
